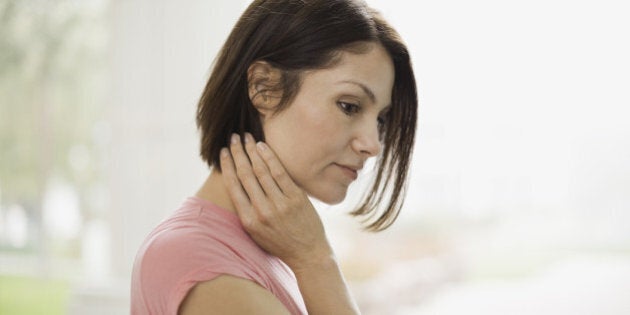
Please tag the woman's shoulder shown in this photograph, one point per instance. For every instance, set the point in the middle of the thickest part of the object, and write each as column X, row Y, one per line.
column 194, row 243
column 194, row 234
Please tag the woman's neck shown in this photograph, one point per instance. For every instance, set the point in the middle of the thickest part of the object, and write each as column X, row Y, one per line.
column 214, row 190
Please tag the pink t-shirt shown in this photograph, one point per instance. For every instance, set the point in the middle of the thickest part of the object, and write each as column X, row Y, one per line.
column 197, row 243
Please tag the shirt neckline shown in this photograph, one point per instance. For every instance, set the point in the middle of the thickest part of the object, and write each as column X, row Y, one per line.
column 224, row 213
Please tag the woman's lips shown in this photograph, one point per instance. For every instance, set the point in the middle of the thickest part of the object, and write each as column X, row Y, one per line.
column 351, row 173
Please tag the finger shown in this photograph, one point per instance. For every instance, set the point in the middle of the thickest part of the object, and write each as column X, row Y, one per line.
column 246, row 175
column 235, row 190
column 277, row 170
column 262, row 172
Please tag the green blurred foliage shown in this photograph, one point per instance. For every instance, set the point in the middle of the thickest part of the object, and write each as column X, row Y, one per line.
column 51, row 90
column 33, row 296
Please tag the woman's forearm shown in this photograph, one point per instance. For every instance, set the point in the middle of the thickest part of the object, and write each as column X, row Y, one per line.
column 324, row 289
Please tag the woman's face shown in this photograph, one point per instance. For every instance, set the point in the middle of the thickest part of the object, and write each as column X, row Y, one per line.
column 331, row 128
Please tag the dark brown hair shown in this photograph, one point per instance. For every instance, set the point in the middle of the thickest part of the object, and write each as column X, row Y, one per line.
column 299, row 35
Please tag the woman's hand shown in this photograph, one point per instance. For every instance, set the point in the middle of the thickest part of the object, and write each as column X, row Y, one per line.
column 280, row 218
column 275, row 212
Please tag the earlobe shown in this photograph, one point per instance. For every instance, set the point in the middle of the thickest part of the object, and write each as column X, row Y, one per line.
column 263, row 86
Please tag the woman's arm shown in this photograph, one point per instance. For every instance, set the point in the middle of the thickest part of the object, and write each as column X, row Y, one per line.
column 280, row 218
column 324, row 289
column 230, row 295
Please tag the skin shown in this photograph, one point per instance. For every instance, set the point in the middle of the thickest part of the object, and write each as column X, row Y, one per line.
column 314, row 147
column 332, row 122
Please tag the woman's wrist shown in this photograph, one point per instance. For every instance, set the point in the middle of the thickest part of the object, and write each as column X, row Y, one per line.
column 314, row 262
column 316, row 257
column 323, row 286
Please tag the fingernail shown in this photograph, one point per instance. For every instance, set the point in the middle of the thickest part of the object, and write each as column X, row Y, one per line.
column 224, row 152
column 234, row 138
column 261, row 146
column 247, row 137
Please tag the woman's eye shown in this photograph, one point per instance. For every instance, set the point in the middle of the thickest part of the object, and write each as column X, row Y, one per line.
column 348, row 108
column 381, row 120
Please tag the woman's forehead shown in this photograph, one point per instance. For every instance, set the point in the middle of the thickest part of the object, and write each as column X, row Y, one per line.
column 372, row 73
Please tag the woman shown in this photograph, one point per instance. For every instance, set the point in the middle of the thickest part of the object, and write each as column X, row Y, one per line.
column 301, row 95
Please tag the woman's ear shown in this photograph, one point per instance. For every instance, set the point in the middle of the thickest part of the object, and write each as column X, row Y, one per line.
column 264, row 87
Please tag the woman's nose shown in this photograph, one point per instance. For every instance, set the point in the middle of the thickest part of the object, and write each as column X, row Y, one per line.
column 367, row 141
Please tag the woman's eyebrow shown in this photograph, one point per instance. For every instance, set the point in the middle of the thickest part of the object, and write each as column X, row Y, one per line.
column 364, row 87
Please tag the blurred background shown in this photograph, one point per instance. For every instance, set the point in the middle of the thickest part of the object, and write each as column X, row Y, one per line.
column 519, row 200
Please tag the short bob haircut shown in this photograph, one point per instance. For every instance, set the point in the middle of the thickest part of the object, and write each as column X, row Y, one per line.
column 295, row 36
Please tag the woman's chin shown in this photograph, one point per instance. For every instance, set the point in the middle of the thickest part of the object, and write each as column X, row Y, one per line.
column 330, row 198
